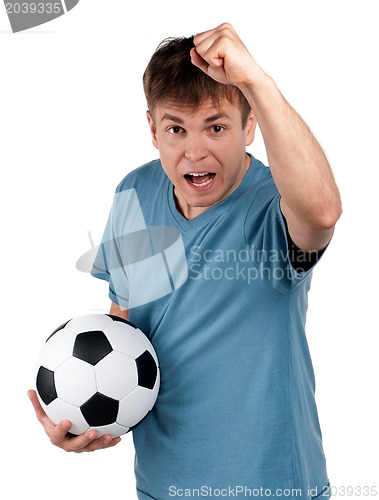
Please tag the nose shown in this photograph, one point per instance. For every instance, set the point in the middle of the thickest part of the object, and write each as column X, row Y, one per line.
column 195, row 149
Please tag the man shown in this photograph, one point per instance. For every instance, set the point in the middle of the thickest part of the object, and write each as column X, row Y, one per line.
column 236, row 406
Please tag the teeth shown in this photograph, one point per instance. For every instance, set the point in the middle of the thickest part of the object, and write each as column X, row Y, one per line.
column 202, row 174
column 202, row 183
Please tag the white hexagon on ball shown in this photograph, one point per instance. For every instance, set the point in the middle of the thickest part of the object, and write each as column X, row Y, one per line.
column 130, row 412
column 116, row 375
column 75, row 381
column 57, row 349
column 58, row 408
column 129, row 341
column 113, row 429
column 89, row 322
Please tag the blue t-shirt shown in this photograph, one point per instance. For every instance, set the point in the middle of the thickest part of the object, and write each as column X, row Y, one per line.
column 225, row 310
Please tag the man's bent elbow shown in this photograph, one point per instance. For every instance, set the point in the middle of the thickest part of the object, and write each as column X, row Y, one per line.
column 329, row 216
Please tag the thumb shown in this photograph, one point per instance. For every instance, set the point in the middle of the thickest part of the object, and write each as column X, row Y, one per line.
column 198, row 61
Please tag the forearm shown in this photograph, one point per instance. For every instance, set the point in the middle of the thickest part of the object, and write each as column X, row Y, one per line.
column 299, row 167
column 310, row 200
column 121, row 312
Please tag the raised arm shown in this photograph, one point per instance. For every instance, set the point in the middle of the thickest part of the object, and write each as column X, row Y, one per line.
column 310, row 200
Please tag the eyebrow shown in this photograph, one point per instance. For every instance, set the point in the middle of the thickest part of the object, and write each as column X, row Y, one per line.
column 216, row 117
column 172, row 118
column 210, row 119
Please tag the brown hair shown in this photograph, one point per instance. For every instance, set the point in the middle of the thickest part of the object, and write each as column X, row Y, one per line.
column 171, row 77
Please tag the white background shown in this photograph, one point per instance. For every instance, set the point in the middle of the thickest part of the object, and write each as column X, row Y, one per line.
column 72, row 124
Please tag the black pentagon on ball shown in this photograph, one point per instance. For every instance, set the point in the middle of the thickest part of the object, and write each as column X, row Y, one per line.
column 147, row 370
column 91, row 346
column 100, row 410
column 121, row 320
column 57, row 330
column 46, row 385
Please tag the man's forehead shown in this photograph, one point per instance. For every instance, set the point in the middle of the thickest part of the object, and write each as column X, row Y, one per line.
column 207, row 110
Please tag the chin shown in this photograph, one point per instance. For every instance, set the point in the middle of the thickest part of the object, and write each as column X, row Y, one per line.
column 204, row 202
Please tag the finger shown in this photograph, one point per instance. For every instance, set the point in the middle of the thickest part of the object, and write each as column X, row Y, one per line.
column 114, row 441
column 36, row 405
column 214, row 48
column 59, row 437
column 213, row 56
column 58, row 434
column 88, row 441
column 198, row 61
column 101, row 443
column 200, row 37
column 203, row 46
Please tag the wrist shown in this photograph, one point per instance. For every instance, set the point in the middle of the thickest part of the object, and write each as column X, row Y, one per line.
column 260, row 90
column 256, row 77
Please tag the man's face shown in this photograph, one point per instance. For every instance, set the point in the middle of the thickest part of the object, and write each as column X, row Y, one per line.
column 203, row 153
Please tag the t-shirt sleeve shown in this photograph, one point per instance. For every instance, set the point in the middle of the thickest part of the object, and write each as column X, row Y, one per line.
column 275, row 258
column 301, row 260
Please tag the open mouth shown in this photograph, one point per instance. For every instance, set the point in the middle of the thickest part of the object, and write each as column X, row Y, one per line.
column 201, row 179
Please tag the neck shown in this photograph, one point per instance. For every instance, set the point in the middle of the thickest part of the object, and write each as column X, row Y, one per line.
column 190, row 212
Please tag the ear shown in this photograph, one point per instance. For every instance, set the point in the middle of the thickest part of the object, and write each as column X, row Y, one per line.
column 251, row 124
column 153, row 132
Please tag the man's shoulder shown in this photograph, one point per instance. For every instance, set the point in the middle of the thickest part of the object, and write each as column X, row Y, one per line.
column 262, row 171
column 147, row 174
column 262, row 188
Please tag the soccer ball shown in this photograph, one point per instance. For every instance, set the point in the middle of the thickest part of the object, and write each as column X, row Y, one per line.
column 99, row 372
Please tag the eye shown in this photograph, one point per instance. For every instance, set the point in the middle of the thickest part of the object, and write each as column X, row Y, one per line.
column 175, row 130
column 217, row 129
